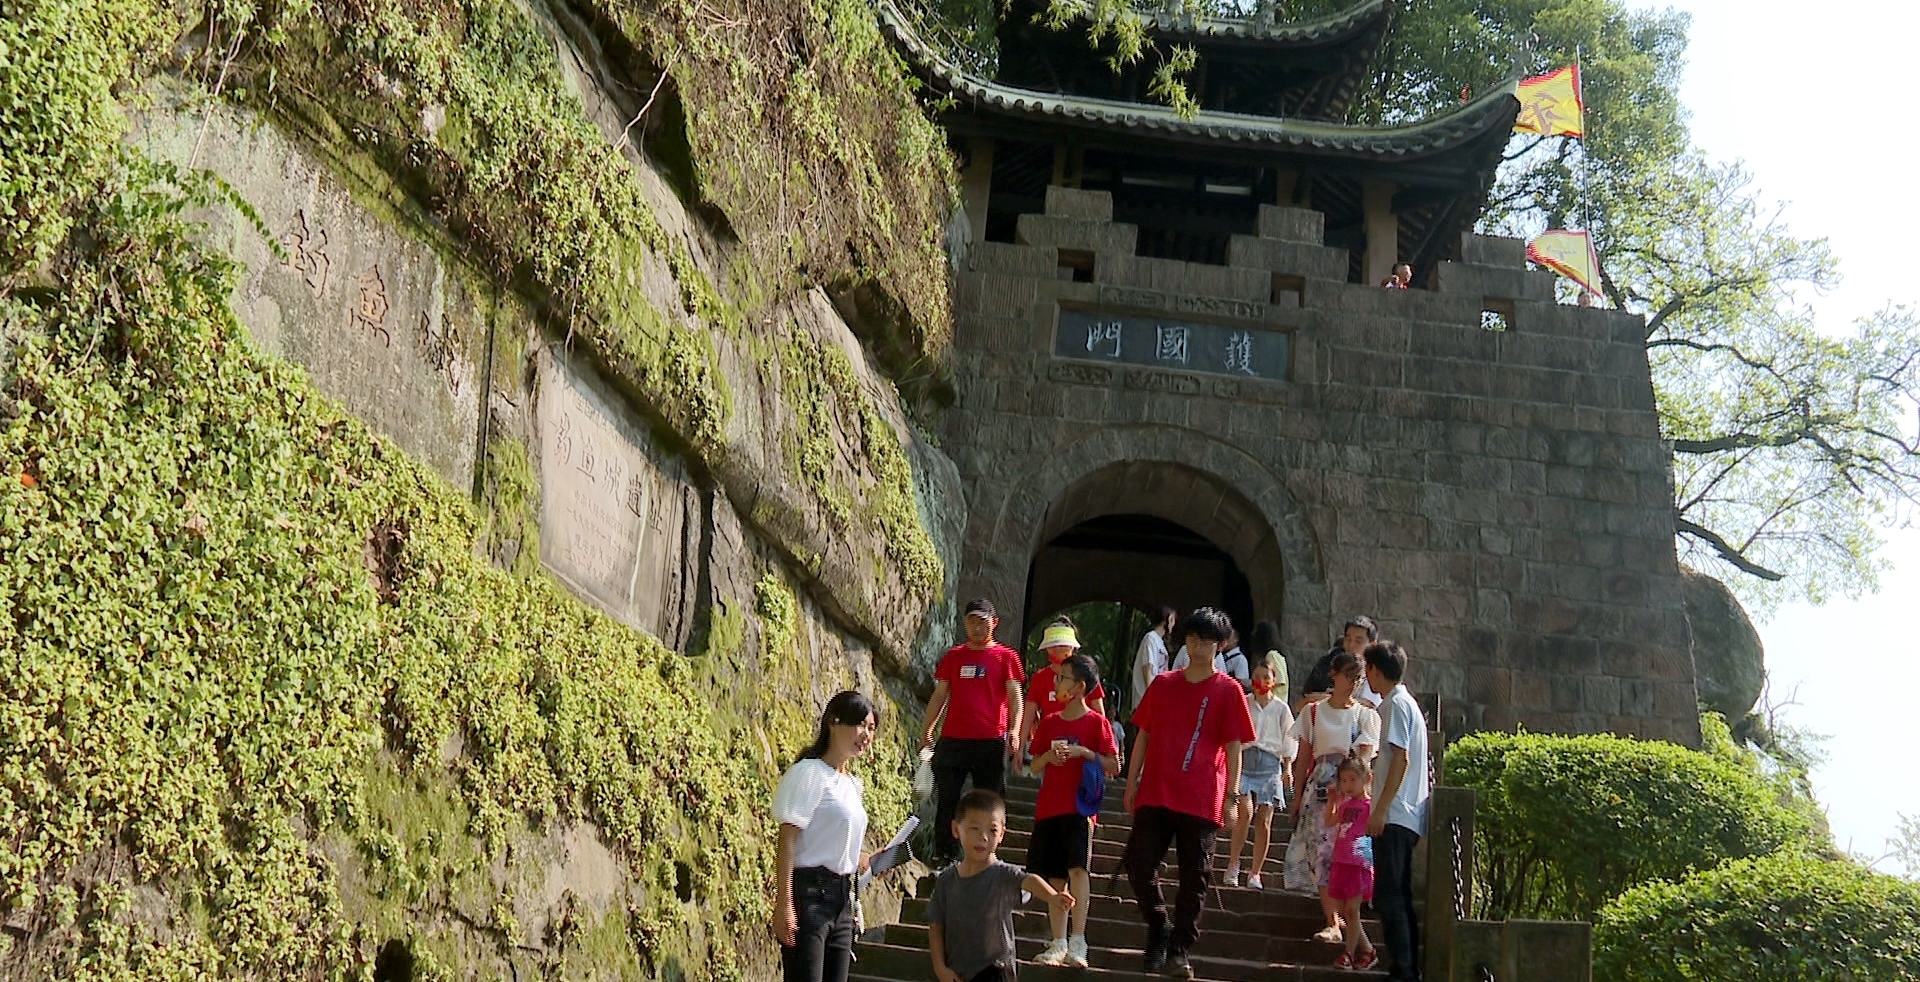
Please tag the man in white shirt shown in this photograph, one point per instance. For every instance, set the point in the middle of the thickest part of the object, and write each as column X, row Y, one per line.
column 1400, row 807
column 1151, row 658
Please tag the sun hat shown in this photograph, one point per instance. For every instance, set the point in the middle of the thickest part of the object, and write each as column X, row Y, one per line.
column 1059, row 635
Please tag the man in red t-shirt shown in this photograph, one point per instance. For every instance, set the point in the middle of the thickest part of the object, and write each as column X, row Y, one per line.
column 977, row 688
column 1191, row 726
column 1073, row 754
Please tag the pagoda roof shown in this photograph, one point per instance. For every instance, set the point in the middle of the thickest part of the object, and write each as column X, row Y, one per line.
column 1485, row 120
column 1308, row 69
column 1341, row 25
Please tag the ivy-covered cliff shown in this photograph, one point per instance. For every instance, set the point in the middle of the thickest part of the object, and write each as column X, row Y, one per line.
column 288, row 691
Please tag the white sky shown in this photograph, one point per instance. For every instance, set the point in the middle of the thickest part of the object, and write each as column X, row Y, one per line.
column 1813, row 100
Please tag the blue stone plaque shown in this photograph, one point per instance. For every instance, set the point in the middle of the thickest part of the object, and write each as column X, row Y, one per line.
column 1147, row 339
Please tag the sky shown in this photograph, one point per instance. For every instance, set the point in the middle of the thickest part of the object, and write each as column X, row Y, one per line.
column 1808, row 97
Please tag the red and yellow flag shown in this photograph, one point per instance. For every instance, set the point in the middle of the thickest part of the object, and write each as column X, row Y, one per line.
column 1551, row 105
column 1570, row 254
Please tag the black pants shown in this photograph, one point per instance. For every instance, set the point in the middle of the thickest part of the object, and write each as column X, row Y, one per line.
column 823, row 947
column 953, row 762
column 1393, row 900
column 1155, row 828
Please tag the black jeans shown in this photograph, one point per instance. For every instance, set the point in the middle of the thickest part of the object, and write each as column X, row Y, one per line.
column 1393, row 900
column 1155, row 828
column 823, row 947
column 954, row 761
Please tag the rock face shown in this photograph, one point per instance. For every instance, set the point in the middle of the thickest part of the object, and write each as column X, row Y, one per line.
column 1728, row 660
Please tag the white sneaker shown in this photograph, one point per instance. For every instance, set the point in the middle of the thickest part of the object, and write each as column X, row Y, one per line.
column 1253, row 881
column 1077, row 951
column 1233, row 875
column 1055, row 953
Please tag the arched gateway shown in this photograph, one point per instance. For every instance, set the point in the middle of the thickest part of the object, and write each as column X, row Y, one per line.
column 1171, row 342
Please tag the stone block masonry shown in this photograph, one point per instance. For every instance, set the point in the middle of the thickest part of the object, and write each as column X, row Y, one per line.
column 1499, row 500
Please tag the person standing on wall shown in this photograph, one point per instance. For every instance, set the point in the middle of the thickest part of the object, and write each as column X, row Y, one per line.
column 1399, row 819
column 1192, row 725
column 977, row 688
column 823, row 822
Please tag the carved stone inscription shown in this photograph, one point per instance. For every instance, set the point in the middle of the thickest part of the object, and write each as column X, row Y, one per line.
column 614, row 520
column 1158, row 342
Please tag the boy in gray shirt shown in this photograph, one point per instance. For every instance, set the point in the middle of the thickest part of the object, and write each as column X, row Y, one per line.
column 970, row 918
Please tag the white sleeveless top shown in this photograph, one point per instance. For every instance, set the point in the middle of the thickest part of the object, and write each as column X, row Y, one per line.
column 1337, row 731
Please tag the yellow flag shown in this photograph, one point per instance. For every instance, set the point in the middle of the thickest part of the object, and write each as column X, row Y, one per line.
column 1550, row 104
column 1570, row 254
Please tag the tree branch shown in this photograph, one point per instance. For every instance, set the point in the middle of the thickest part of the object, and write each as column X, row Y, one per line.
column 1725, row 549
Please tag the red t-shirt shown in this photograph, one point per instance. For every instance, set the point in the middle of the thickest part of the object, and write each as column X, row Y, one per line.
column 1040, row 691
column 1189, row 725
column 1060, row 783
column 977, row 690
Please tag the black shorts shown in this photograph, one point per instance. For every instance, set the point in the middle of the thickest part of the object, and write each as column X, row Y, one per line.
column 1059, row 844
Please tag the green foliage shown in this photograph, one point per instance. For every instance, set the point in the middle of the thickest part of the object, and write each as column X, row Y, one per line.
column 835, row 420
column 1784, row 918
column 1566, row 824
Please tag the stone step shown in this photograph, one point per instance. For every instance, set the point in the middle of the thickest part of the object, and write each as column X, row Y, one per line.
column 1128, row 937
column 893, row 963
column 887, row 963
column 1021, row 832
column 1106, row 860
column 1298, row 921
column 1271, row 900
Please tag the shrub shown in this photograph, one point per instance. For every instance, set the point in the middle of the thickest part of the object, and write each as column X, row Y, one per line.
column 1566, row 824
column 1783, row 917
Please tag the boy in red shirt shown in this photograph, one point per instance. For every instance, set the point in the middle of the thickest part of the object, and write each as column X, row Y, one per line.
column 1073, row 754
column 977, row 687
column 1192, row 724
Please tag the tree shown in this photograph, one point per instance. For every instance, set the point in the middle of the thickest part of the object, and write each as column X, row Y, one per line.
column 1792, row 446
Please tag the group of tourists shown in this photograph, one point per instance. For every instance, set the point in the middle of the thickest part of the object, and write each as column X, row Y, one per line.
column 1212, row 742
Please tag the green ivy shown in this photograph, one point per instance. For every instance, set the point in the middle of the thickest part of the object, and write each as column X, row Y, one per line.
column 1565, row 824
column 1783, row 918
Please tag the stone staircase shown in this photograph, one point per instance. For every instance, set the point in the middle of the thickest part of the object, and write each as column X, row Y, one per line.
column 1244, row 934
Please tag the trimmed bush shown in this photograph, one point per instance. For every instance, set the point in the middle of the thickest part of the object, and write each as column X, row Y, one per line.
column 1783, row 918
column 1568, row 823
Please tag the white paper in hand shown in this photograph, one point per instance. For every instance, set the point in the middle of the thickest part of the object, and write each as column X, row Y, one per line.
column 893, row 854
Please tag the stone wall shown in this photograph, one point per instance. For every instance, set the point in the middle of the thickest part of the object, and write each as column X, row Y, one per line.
column 1498, row 499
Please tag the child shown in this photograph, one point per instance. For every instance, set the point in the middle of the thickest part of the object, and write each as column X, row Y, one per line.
column 1190, row 727
column 1351, row 879
column 1262, row 765
column 970, row 918
column 1058, row 643
column 1073, row 753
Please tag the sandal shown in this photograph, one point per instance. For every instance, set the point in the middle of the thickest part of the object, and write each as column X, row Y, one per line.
column 1366, row 959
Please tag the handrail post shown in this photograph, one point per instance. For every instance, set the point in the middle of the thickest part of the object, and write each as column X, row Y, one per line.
column 1449, row 874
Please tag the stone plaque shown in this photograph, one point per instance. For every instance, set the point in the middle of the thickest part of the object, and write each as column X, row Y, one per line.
column 1174, row 345
column 614, row 510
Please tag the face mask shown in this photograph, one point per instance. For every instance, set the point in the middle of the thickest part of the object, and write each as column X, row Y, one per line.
column 1263, row 686
column 1059, row 655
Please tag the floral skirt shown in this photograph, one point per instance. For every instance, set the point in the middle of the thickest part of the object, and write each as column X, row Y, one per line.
column 1310, row 850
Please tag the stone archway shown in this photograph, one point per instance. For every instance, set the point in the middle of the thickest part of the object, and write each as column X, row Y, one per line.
column 1213, row 488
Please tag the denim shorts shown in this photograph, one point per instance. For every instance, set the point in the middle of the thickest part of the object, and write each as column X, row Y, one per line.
column 1260, row 776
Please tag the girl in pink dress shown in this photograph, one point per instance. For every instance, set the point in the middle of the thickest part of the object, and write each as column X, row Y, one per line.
column 1350, row 880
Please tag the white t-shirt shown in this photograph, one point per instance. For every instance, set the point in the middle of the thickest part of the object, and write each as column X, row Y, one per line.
column 1273, row 727
column 1148, row 663
column 827, row 807
column 1336, row 731
column 1407, row 729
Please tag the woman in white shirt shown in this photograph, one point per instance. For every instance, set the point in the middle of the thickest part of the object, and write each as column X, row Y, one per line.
column 1329, row 731
column 823, row 822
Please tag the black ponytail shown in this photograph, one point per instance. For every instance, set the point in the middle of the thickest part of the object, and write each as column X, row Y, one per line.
column 849, row 708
